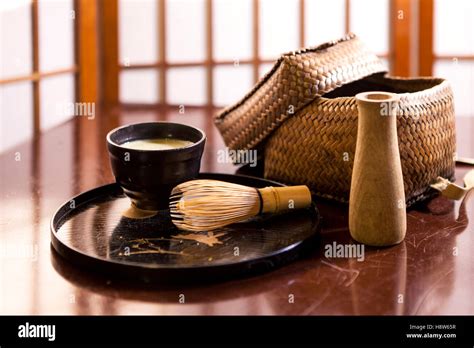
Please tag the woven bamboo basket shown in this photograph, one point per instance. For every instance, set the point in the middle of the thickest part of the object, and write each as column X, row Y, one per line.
column 303, row 117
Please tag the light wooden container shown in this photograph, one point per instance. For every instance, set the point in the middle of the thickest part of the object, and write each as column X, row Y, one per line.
column 377, row 212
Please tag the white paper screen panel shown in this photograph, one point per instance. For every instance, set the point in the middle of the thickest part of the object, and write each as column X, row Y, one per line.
column 138, row 32
column 369, row 19
column 185, row 31
column 231, row 83
column 56, row 98
column 56, row 34
column 139, row 86
column 15, row 52
column 279, row 21
column 385, row 63
column 186, row 86
column 454, row 27
column 324, row 21
column 16, row 121
column 461, row 76
column 264, row 68
column 232, row 29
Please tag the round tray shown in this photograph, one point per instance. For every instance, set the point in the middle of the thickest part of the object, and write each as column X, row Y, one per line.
column 91, row 231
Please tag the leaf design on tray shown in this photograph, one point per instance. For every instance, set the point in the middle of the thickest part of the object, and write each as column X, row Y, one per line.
column 209, row 239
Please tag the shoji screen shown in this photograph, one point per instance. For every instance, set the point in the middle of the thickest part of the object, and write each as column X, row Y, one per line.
column 202, row 52
column 16, row 98
column 453, row 58
column 37, row 67
column 454, row 50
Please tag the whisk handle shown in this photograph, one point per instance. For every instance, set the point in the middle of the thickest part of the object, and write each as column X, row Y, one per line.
column 278, row 199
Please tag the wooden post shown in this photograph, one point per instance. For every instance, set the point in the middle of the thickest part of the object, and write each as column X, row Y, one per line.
column 86, row 51
column 209, row 54
column 425, row 38
column 162, row 50
column 88, row 88
column 400, row 37
column 109, row 53
column 347, row 16
column 302, row 38
column 256, row 40
column 35, row 67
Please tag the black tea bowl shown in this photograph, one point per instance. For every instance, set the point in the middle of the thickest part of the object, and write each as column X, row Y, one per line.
column 148, row 176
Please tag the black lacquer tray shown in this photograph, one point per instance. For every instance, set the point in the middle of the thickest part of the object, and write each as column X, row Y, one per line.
column 91, row 232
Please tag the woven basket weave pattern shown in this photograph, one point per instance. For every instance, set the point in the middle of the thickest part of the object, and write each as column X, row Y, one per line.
column 296, row 79
column 316, row 147
column 313, row 142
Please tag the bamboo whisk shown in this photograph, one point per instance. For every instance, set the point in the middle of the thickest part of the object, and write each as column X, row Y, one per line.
column 204, row 205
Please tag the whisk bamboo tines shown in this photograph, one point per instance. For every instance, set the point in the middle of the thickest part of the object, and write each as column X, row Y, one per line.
column 204, row 205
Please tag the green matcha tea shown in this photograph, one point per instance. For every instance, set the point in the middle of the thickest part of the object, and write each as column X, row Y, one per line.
column 156, row 144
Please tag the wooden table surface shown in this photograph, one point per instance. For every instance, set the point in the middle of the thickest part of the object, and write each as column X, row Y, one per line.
column 431, row 272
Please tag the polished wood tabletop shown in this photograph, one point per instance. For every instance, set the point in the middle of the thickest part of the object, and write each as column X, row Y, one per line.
column 430, row 272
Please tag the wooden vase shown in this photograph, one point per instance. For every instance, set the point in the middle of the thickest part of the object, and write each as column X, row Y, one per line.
column 377, row 213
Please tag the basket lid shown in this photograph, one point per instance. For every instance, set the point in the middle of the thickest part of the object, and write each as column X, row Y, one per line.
column 296, row 79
